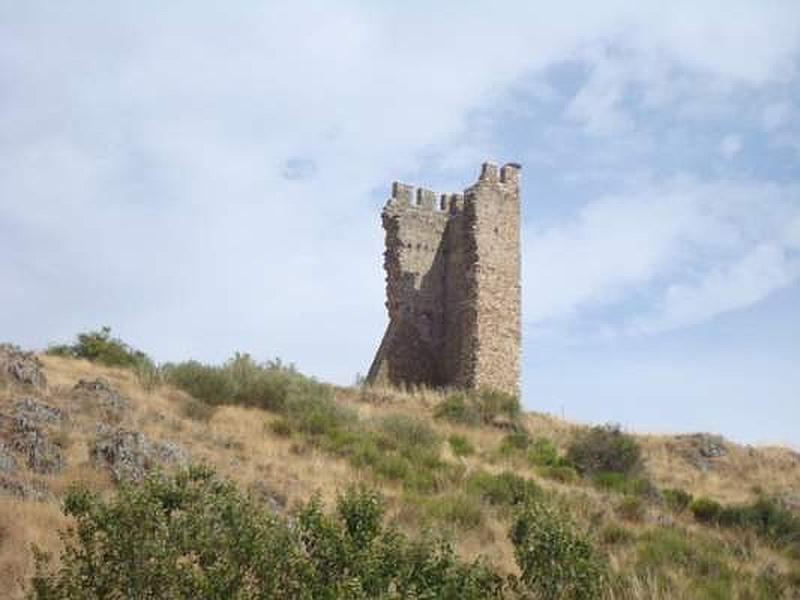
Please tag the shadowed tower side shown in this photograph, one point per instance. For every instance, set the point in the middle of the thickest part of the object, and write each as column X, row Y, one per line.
column 453, row 285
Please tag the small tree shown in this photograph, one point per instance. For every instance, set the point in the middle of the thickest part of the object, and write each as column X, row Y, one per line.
column 605, row 449
column 557, row 562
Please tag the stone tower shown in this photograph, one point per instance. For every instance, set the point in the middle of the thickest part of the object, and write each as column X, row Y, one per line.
column 453, row 285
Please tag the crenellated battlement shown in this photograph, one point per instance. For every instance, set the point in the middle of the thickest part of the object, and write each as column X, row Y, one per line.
column 409, row 196
column 451, row 322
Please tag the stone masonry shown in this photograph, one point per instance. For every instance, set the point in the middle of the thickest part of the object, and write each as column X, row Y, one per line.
column 453, row 285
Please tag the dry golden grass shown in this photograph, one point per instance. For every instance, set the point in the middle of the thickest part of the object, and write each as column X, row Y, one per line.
column 238, row 443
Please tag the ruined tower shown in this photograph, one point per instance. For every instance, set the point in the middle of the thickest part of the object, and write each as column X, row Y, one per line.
column 453, row 285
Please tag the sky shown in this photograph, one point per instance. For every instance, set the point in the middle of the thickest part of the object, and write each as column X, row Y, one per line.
column 208, row 177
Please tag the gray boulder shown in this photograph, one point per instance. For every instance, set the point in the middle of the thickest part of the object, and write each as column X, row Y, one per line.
column 97, row 396
column 130, row 455
column 21, row 367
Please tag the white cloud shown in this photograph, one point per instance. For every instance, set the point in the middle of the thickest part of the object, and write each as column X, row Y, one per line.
column 690, row 250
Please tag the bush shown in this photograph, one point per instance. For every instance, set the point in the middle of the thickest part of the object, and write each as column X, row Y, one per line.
column 677, row 500
column 542, row 452
column 514, row 442
column 190, row 536
column 402, row 431
column 459, row 510
column 101, row 347
column 624, row 484
column 698, row 558
column 505, row 489
column 766, row 517
column 460, row 445
column 556, row 560
column 477, row 407
column 706, row 510
column 605, row 449
column 194, row 536
column 242, row 380
column 458, row 408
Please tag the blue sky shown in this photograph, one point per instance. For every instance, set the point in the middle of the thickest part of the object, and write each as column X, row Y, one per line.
column 208, row 178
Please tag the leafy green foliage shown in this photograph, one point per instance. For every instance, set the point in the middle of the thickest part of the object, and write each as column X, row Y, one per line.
column 460, row 445
column 462, row 511
column 189, row 536
column 677, row 500
column 555, row 559
column 623, row 483
column 765, row 517
column 542, row 452
column 242, row 380
column 706, row 510
column 701, row 560
column 505, row 489
column 101, row 347
column 477, row 407
column 605, row 449
column 514, row 442
column 195, row 536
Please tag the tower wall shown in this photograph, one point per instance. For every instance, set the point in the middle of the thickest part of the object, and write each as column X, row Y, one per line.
column 452, row 285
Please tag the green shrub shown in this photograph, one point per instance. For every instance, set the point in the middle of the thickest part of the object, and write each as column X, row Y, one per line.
column 458, row 408
column 458, row 510
column 242, row 380
column 205, row 383
column 766, row 517
column 409, row 433
column 189, row 536
column 194, row 536
column 460, row 445
column 281, row 427
column 706, row 510
column 101, row 347
column 494, row 403
column 556, row 561
column 677, row 500
column 700, row 559
column 477, row 407
column 542, row 452
column 604, row 449
column 506, row 489
column 622, row 483
column 514, row 442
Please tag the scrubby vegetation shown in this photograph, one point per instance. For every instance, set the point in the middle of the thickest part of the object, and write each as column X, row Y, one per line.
column 101, row 347
column 555, row 559
column 605, row 449
column 476, row 498
column 477, row 408
column 196, row 536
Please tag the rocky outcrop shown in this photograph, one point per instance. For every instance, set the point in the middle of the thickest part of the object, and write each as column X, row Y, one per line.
column 130, row 455
column 24, row 432
column 96, row 396
column 21, row 367
column 701, row 449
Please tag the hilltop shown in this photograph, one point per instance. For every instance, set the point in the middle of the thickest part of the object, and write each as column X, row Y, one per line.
column 689, row 516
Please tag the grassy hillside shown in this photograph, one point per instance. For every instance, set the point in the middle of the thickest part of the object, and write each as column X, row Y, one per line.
column 671, row 516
